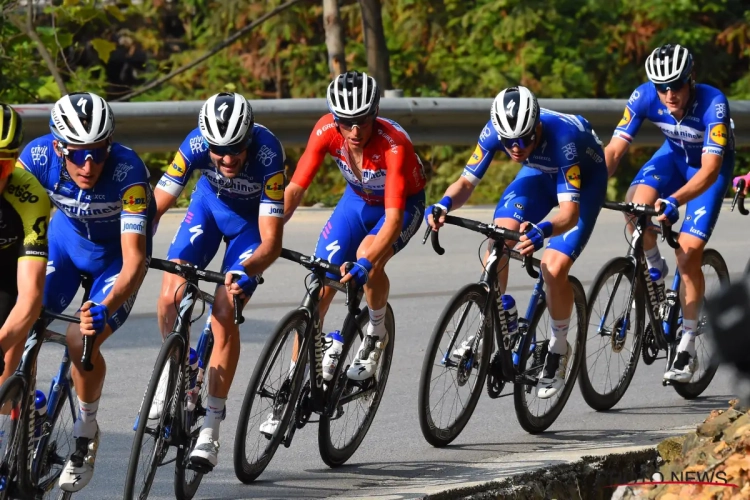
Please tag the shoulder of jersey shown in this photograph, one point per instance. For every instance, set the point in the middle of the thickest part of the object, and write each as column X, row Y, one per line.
column 393, row 130
column 326, row 125
column 23, row 187
column 707, row 93
column 126, row 166
column 263, row 134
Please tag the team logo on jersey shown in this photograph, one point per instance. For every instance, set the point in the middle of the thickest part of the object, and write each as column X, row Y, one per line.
column 274, row 187
column 627, row 116
column 134, row 199
column 718, row 134
column 573, row 176
column 476, row 156
column 177, row 168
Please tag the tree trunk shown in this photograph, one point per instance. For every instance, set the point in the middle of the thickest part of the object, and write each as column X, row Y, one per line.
column 377, row 52
column 334, row 38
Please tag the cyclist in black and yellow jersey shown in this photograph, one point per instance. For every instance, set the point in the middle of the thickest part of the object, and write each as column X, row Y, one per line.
column 24, row 216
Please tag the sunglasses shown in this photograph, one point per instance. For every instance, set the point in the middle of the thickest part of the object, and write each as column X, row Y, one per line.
column 234, row 150
column 675, row 86
column 522, row 142
column 350, row 124
column 79, row 156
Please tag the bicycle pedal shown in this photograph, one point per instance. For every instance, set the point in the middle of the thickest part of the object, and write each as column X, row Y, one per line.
column 200, row 467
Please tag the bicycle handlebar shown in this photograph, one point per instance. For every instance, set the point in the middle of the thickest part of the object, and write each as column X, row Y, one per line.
column 648, row 211
column 739, row 196
column 492, row 231
column 316, row 263
column 190, row 272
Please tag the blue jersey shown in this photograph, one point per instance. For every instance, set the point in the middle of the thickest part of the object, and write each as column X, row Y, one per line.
column 258, row 188
column 705, row 128
column 568, row 149
column 118, row 203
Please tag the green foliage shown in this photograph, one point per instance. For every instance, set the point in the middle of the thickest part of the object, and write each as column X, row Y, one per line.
column 459, row 48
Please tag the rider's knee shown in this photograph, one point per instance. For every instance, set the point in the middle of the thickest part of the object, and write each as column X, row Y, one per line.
column 689, row 259
column 555, row 271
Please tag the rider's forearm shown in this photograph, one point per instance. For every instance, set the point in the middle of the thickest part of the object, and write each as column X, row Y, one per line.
column 613, row 153
column 130, row 277
column 386, row 237
column 164, row 201
column 293, row 195
column 566, row 218
column 459, row 192
column 19, row 321
column 263, row 256
column 702, row 180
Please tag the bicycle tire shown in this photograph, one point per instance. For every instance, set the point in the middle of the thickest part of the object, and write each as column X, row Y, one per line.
column 66, row 401
column 184, row 486
column 439, row 435
column 537, row 424
column 695, row 388
column 332, row 455
column 602, row 401
column 246, row 471
column 173, row 349
column 12, row 392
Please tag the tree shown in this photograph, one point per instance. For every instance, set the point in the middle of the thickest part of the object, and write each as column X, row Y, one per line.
column 334, row 37
column 378, row 61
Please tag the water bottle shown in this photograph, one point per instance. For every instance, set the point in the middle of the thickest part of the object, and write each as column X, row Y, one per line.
column 511, row 314
column 331, row 356
column 192, row 393
column 40, row 414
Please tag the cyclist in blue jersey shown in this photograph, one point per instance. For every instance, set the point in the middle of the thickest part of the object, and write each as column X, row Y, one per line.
column 102, row 228
column 694, row 167
column 562, row 164
column 240, row 199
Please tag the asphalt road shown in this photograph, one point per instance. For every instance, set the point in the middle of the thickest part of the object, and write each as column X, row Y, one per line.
column 394, row 459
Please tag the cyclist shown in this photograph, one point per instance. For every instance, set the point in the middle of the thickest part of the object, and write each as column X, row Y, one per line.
column 562, row 164
column 24, row 218
column 694, row 167
column 102, row 228
column 239, row 198
column 379, row 211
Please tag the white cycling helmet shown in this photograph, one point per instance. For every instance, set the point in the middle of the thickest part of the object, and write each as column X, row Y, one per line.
column 353, row 95
column 226, row 119
column 515, row 113
column 669, row 63
column 81, row 118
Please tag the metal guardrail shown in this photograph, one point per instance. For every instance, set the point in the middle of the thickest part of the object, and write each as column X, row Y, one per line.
column 161, row 126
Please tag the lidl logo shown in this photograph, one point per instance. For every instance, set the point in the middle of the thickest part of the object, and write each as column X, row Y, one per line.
column 626, row 117
column 573, row 176
column 177, row 168
column 134, row 199
column 274, row 187
column 476, row 156
column 719, row 134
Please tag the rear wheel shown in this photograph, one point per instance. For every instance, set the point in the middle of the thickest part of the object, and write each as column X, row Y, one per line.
column 716, row 276
column 535, row 414
column 449, row 388
column 340, row 434
column 11, row 396
column 613, row 337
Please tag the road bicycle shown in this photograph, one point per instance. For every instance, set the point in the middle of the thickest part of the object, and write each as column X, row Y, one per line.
column 739, row 200
column 288, row 380
column 181, row 413
column 518, row 359
column 618, row 333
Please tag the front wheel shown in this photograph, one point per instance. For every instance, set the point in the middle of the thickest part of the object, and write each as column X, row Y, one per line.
column 55, row 448
column 535, row 414
column 354, row 403
column 614, row 335
column 145, row 457
column 272, row 392
column 453, row 377
column 716, row 276
column 11, row 428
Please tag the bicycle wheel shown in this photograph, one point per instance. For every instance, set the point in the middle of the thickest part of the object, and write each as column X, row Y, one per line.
column 440, row 418
column 610, row 353
column 716, row 275
column 273, row 389
column 536, row 415
column 144, row 459
column 186, row 479
column 356, row 402
column 55, row 448
column 11, row 428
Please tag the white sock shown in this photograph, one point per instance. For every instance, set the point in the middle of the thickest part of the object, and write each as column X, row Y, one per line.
column 687, row 342
column 653, row 257
column 558, row 342
column 376, row 326
column 86, row 425
column 212, row 420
